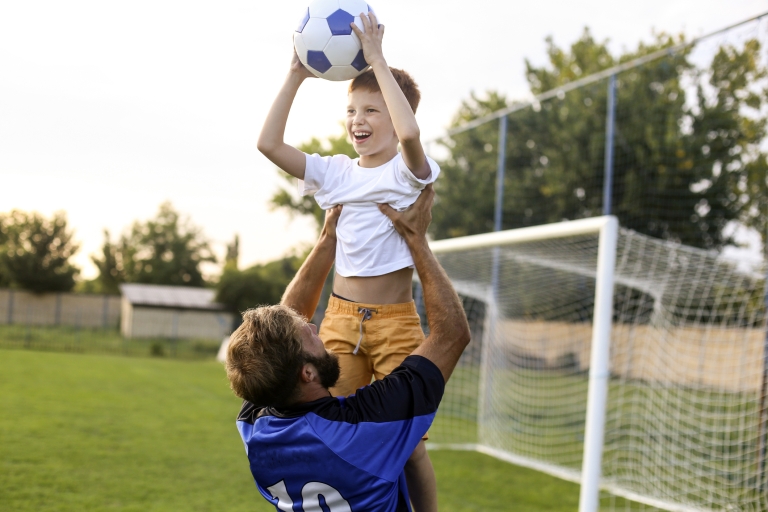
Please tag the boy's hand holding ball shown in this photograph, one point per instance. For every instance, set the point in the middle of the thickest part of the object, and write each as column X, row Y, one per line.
column 370, row 38
column 298, row 68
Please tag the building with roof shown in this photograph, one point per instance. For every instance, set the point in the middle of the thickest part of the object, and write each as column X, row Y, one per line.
column 172, row 312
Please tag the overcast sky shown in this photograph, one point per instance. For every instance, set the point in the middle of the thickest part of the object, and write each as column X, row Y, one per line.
column 109, row 108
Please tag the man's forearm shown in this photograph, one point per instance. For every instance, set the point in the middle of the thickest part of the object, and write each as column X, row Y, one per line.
column 303, row 293
column 449, row 331
column 444, row 310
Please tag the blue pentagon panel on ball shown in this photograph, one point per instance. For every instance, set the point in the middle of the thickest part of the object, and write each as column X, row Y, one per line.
column 318, row 61
column 316, row 34
column 339, row 23
column 323, row 8
column 359, row 62
column 303, row 21
column 354, row 7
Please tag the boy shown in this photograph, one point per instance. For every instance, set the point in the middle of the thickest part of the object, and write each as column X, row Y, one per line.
column 371, row 321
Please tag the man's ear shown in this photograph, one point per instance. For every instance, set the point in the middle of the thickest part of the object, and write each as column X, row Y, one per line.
column 308, row 372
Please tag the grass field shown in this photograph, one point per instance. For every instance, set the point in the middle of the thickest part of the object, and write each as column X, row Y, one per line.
column 96, row 432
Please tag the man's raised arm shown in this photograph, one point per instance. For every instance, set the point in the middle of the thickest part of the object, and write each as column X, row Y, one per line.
column 448, row 327
column 303, row 293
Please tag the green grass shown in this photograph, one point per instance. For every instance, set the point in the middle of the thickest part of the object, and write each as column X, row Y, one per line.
column 94, row 432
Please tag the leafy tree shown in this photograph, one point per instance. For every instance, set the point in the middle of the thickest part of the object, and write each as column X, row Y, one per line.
column 257, row 285
column 110, row 265
column 4, row 278
column 682, row 169
column 233, row 253
column 165, row 250
column 35, row 252
column 287, row 196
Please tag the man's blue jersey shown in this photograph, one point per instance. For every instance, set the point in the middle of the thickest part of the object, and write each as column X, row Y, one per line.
column 343, row 454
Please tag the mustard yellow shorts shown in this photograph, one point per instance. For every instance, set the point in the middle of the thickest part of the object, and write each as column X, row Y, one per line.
column 371, row 340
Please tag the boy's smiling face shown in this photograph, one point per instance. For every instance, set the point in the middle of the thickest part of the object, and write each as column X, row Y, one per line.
column 370, row 128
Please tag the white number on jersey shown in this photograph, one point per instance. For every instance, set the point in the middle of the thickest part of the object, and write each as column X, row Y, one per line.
column 310, row 494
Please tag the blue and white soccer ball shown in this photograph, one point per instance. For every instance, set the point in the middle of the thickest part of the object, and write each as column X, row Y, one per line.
column 326, row 44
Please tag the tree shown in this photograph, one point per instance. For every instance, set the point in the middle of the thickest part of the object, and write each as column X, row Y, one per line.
column 257, row 285
column 685, row 164
column 288, row 198
column 5, row 280
column 35, row 252
column 233, row 253
column 165, row 250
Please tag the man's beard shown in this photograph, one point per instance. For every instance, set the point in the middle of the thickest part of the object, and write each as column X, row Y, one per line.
column 328, row 368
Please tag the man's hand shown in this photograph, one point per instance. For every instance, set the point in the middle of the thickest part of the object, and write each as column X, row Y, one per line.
column 412, row 223
column 298, row 68
column 370, row 37
column 331, row 219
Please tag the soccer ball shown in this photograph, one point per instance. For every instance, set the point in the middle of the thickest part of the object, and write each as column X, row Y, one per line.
column 325, row 43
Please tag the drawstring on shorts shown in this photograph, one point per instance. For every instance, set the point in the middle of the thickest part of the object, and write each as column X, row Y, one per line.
column 365, row 315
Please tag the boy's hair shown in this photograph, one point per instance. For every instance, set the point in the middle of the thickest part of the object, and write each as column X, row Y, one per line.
column 368, row 82
column 265, row 356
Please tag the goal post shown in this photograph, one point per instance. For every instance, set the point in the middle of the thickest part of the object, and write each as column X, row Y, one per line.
column 632, row 366
column 606, row 228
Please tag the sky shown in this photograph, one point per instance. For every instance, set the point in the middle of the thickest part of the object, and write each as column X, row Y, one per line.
column 108, row 109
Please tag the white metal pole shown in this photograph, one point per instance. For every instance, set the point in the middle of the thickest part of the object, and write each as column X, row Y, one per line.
column 610, row 125
column 589, row 498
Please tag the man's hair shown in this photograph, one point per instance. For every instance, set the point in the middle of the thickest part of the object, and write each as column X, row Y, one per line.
column 367, row 81
column 265, row 356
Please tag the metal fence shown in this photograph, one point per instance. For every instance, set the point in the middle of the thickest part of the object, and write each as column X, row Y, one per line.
column 86, row 323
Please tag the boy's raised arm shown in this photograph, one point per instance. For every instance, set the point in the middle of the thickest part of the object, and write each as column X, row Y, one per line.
column 403, row 118
column 271, row 143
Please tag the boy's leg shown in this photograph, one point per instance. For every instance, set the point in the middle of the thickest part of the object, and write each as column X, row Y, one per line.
column 339, row 334
column 393, row 339
column 420, row 476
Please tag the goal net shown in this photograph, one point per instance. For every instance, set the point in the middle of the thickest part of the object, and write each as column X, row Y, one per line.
column 684, row 384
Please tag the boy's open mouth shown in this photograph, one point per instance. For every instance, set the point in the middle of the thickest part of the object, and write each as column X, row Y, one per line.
column 360, row 136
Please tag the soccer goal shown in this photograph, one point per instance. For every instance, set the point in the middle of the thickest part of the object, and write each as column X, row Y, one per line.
column 630, row 365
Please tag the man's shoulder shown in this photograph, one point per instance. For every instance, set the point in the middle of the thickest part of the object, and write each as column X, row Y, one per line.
column 414, row 388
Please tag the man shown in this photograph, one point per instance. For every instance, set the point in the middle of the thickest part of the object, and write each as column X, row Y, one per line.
column 307, row 449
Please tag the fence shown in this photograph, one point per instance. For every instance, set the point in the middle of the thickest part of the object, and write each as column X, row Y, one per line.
column 72, row 322
column 59, row 309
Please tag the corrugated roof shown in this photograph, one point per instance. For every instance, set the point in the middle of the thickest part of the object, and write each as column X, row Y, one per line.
column 170, row 296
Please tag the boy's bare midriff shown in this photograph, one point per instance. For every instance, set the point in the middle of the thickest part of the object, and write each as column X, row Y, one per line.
column 392, row 288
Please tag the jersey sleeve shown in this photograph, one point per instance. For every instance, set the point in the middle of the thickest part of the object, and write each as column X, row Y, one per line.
column 406, row 176
column 386, row 420
column 318, row 170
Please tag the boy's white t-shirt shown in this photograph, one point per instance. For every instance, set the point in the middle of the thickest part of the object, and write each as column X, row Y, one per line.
column 366, row 241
